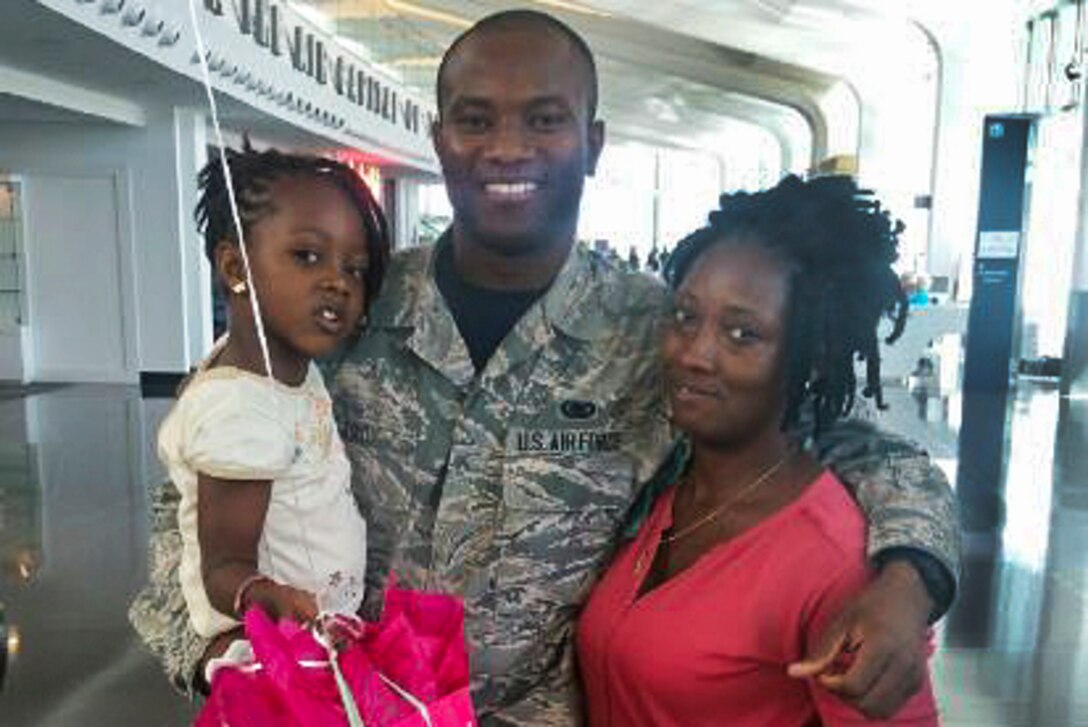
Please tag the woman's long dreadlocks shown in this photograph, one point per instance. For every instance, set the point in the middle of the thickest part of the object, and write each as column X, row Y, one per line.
column 841, row 245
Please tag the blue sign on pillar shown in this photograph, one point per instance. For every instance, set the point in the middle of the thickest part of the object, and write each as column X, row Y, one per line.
column 992, row 316
column 987, row 359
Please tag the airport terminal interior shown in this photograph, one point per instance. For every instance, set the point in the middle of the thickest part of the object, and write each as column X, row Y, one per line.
column 967, row 119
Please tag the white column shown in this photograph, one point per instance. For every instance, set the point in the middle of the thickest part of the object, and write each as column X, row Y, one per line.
column 1075, row 358
column 173, row 318
column 981, row 71
column 190, row 132
column 406, row 209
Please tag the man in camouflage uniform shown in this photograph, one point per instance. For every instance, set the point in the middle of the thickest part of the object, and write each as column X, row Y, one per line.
column 505, row 403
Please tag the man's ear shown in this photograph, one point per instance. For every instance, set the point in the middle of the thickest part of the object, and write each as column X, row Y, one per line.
column 596, row 145
column 229, row 265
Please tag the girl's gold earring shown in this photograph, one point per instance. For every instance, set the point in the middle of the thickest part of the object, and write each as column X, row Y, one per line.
column 238, row 288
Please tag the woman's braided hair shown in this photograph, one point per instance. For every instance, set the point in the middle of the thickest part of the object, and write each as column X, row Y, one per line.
column 840, row 245
column 253, row 173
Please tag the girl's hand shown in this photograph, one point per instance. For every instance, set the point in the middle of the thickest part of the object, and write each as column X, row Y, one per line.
column 280, row 601
column 216, row 647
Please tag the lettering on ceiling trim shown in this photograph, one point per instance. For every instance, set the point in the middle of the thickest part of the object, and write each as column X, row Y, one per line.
column 263, row 21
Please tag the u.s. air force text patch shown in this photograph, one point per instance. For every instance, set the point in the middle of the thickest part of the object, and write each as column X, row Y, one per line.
column 565, row 441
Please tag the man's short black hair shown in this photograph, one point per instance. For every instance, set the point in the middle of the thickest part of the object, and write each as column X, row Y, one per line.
column 520, row 19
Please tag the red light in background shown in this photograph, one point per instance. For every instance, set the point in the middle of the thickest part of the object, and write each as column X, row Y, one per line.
column 367, row 166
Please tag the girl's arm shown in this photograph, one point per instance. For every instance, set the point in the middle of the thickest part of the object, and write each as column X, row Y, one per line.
column 230, row 519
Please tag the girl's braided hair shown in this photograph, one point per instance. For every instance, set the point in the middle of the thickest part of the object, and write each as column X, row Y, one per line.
column 840, row 245
column 253, row 173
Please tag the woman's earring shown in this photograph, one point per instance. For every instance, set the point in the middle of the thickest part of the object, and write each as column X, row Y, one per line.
column 238, row 288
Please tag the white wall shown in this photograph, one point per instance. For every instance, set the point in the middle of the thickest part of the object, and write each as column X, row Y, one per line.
column 11, row 356
column 160, row 273
column 78, row 257
column 981, row 72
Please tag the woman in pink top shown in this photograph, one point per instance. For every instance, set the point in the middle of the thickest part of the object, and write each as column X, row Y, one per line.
column 742, row 563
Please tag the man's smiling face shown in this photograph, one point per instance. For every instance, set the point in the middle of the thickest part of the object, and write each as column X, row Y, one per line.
column 515, row 138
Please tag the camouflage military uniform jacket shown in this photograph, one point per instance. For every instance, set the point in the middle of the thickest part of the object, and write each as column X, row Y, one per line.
column 508, row 486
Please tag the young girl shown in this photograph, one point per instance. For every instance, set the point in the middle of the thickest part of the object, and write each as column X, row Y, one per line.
column 267, row 516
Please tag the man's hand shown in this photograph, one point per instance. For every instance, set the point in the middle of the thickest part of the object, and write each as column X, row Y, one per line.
column 874, row 653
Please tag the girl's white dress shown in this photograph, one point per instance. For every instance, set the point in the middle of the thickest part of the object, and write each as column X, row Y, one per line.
column 235, row 425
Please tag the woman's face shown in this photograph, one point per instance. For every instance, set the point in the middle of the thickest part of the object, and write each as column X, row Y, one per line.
column 724, row 342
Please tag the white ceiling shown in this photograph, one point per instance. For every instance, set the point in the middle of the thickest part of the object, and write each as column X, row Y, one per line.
column 678, row 70
column 39, row 41
column 685, row 73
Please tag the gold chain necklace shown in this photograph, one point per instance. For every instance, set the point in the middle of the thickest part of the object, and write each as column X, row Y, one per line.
column 713, row 514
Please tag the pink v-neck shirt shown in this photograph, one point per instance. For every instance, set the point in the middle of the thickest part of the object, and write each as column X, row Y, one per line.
column 710, row 646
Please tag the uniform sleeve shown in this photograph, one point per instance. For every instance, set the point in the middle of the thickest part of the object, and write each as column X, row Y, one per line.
column 236, row 430
column 905, row 497
column 919, row 711
column 158, row 613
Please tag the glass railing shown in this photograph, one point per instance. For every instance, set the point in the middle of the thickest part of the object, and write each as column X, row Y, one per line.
column 11, row 274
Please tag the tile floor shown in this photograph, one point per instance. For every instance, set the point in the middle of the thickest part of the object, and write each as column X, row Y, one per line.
column 76, row 462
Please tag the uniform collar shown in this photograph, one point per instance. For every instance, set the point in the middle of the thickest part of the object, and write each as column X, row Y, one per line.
column 411, row 306
column 410, row 301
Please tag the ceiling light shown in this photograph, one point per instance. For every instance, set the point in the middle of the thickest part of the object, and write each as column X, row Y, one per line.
column 133, row 16
column 316, row 17
column 419, row 11
column 15, row 641
column 573, row 7
column 414, row 62
column 170, row 36
column 662, row 110
column 777, row 9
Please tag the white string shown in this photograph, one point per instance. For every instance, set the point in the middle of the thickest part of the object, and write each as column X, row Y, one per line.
column 255, row 304
column 420, row 706
column 229, row 178
column 404, row 694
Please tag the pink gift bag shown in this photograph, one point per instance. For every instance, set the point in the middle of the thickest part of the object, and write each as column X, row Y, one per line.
column 408, row 670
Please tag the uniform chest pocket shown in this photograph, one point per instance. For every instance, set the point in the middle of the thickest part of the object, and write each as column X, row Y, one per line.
column 568, row 445
column 556, row 469
column 563, row 506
